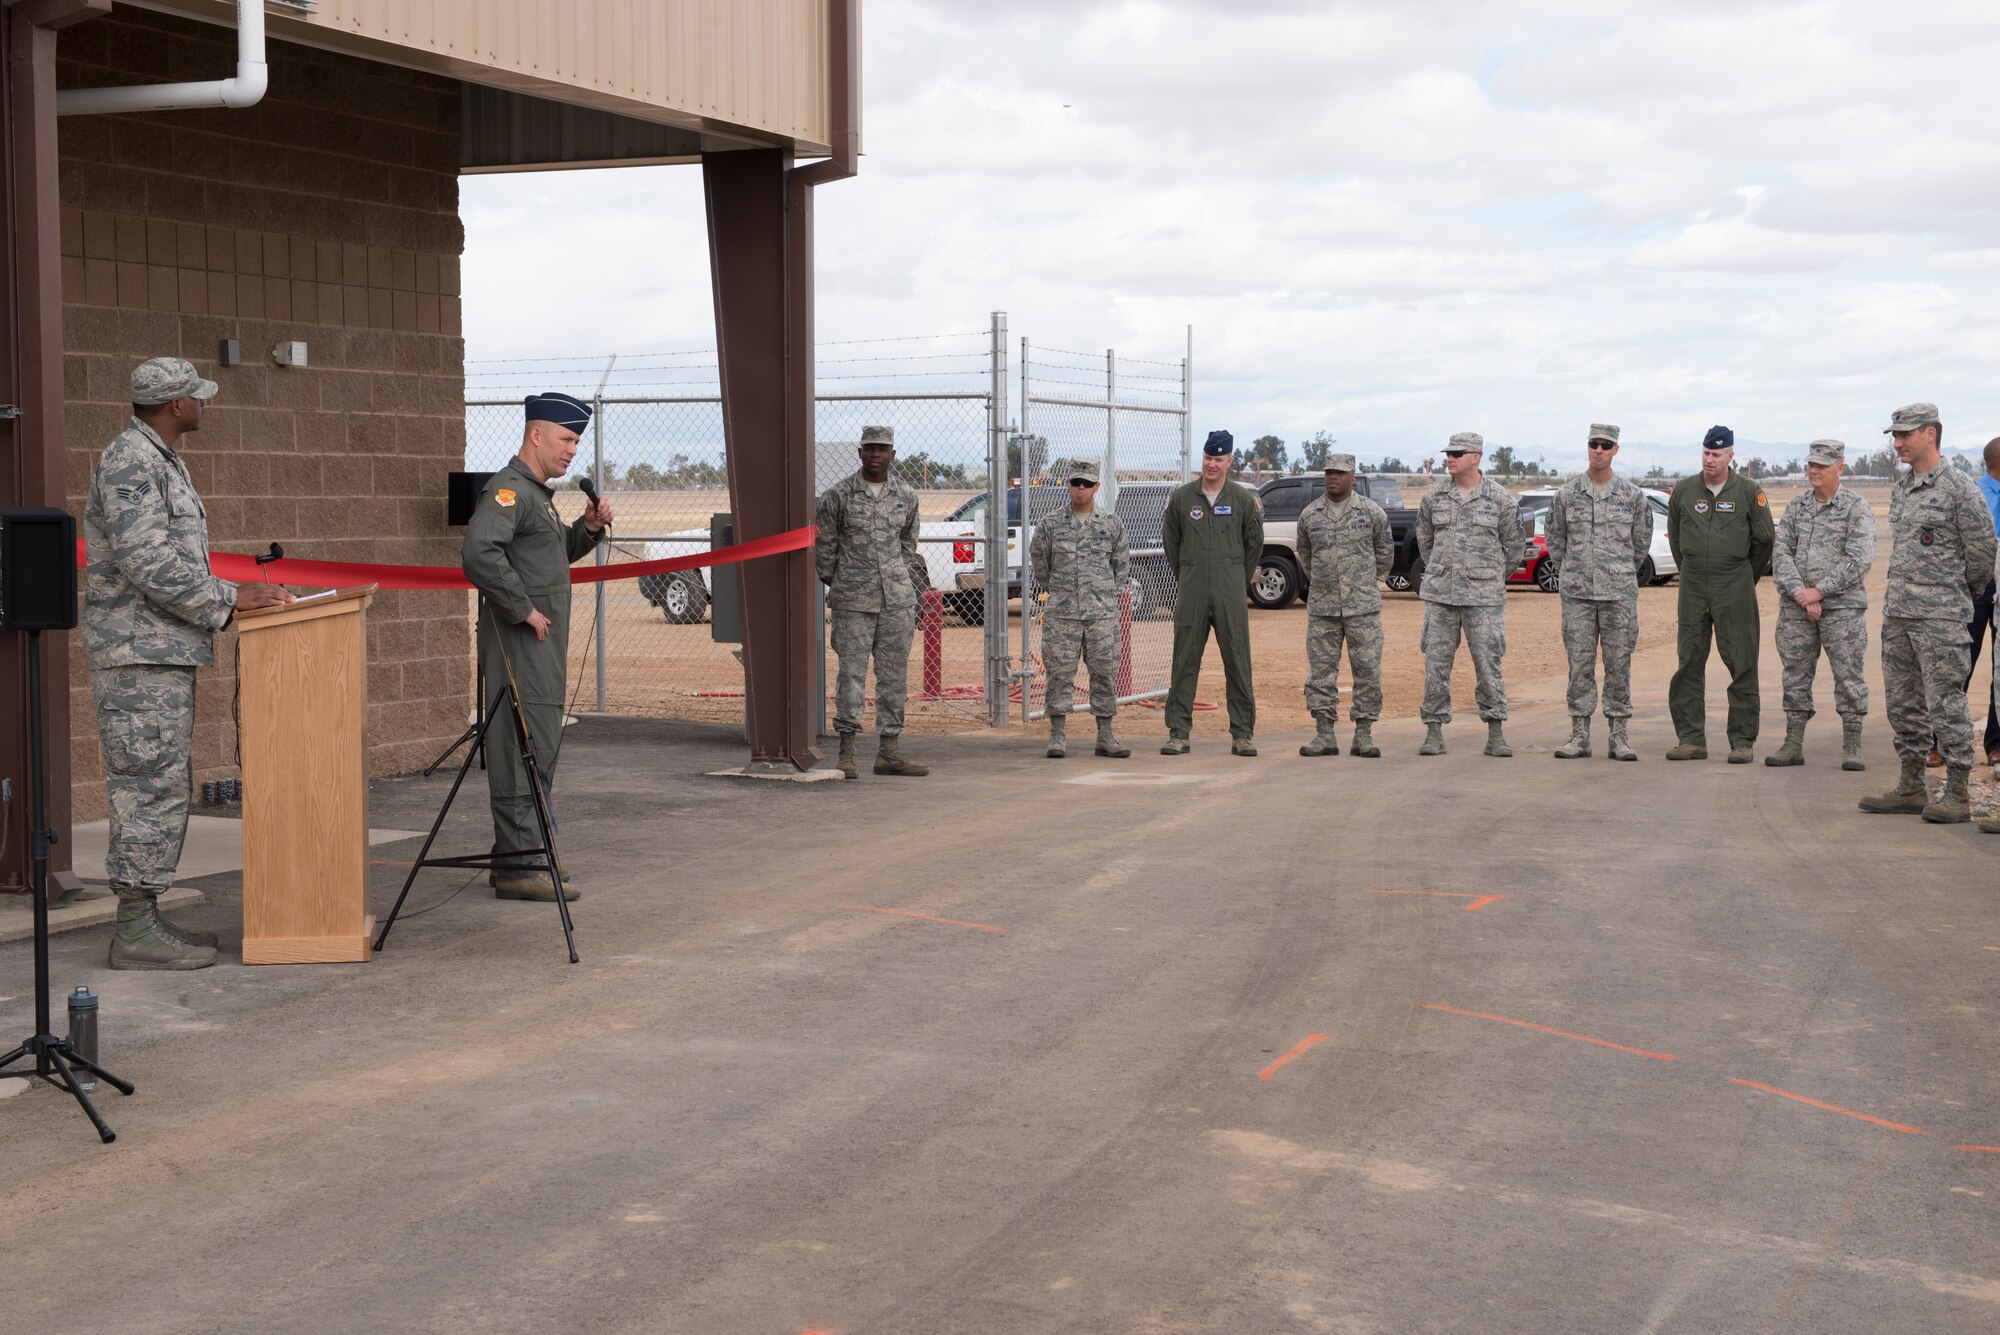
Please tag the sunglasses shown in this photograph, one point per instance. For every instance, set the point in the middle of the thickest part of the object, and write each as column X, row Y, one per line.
column 1603, row 445
column 1081, row 482
column 1456, row 454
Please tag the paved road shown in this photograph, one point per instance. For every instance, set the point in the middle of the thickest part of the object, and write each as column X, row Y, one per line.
column 1164, row 1056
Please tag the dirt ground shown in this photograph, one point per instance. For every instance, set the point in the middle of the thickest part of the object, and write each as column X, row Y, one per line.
column 663, row 670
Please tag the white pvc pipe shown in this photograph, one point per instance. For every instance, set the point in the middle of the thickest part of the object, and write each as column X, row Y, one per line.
column 246, row 89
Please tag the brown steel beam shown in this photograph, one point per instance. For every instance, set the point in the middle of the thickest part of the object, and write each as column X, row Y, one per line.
column 760, row 240
column 31, row 359
column 768, row 439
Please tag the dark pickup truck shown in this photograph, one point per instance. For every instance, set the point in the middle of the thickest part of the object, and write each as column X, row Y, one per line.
column 1279, row 579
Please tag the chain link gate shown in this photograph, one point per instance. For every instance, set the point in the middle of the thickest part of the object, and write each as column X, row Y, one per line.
column 649, row 646
column 1132, row 421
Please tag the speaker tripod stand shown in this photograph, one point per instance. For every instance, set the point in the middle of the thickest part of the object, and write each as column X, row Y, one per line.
column 55, row 1060
column 475, row 732
column 508, row 698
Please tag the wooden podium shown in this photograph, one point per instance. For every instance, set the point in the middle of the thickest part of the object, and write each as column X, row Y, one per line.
column 302, row 673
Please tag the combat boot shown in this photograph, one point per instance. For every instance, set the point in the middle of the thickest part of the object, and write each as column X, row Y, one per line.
column 1990, row 824
column 1954, row 803
column 1242, row 746
column 1689, row 751
column 141, row 941
column 1364, row 740
column 1433, row 740
column 1108, row 743
column 1058, row 737
column 1496, row 744
column 187, row 934
column 526, row 883
column 1793, row 752
column 1324, row 743
column 1175, row 745
column 1578, row 745
column 889, row 760
column 1908, row 797
column 1850, row 744
column 846, row 763
column 1619, row 747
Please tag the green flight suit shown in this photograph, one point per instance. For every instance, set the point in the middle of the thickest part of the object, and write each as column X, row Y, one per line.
column 1213, row 552
column 518, row 554
column 1721, row 543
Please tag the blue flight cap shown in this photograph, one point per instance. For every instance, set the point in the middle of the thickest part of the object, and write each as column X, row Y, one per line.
column 1719, row 438
column 560, row 409
column 1219, row 442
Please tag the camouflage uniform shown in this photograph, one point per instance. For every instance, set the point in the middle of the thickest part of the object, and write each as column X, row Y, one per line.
column 1598, row 538
column 1345, row 551
column 867, row 558
column 1943, row 555
column 1083, row 562
column 1826, row 546
column 150, row 612
column 1471, row 541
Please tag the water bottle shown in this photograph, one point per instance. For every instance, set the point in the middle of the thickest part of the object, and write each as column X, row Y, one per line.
column 83, row 1033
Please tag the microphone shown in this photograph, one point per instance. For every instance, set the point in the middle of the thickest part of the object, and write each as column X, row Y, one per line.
column 276, row 553
column 589, row 490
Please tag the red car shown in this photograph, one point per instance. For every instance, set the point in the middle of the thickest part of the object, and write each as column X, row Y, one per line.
column 1535, row 567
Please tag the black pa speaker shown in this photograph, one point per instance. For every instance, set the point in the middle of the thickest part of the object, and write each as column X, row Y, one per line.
column 37, row 569
column 462, row 497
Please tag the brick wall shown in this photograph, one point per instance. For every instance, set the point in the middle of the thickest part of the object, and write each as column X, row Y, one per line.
column 327, row 214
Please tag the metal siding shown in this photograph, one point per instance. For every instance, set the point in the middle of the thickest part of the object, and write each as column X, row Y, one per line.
column 757, row 65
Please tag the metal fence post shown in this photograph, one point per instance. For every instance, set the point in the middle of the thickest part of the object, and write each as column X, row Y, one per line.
column 997, row 666
column 1107, row 497
column 1187, row 403
column 1027, row 673
column 603, row 548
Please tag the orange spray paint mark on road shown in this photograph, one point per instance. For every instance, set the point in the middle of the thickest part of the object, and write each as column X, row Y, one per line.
column 905, row 913
column 1980, row 1149
column 1272, row 1069
column 1560, row 1033
column 1478, row 901
column 1830, row 1107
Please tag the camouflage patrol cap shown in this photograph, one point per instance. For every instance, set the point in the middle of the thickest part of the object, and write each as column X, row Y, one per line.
column 1082, row 468
column 164, row 379
column 1912, row 417
column 878, row 435
column 1827, row 452
column 1340, row 463
column 1467, row 440
column 1600, row 431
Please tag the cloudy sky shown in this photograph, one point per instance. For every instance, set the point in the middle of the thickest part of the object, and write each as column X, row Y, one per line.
column 1389, row 221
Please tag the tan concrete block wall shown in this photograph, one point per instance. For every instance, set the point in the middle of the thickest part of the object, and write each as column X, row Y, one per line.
column 327, row 214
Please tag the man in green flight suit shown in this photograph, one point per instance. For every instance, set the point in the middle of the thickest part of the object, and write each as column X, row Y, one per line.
column 1213, row 534
column 1719, row 526
column 517, row 554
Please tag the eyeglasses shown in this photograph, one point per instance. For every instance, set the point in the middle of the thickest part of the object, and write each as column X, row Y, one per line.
column 1081, row 482
column 1603, row 444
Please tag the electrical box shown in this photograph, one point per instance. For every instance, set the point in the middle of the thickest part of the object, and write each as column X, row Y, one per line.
column 229, row 352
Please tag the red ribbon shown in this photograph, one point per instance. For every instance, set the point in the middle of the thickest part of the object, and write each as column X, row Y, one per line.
column 341, row 574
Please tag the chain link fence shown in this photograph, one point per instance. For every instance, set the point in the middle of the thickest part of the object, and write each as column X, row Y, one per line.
column 1130, row 417
column 650, row 646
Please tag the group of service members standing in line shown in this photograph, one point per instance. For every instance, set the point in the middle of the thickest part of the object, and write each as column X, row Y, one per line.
column 1599, row 531
column 152, row 606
